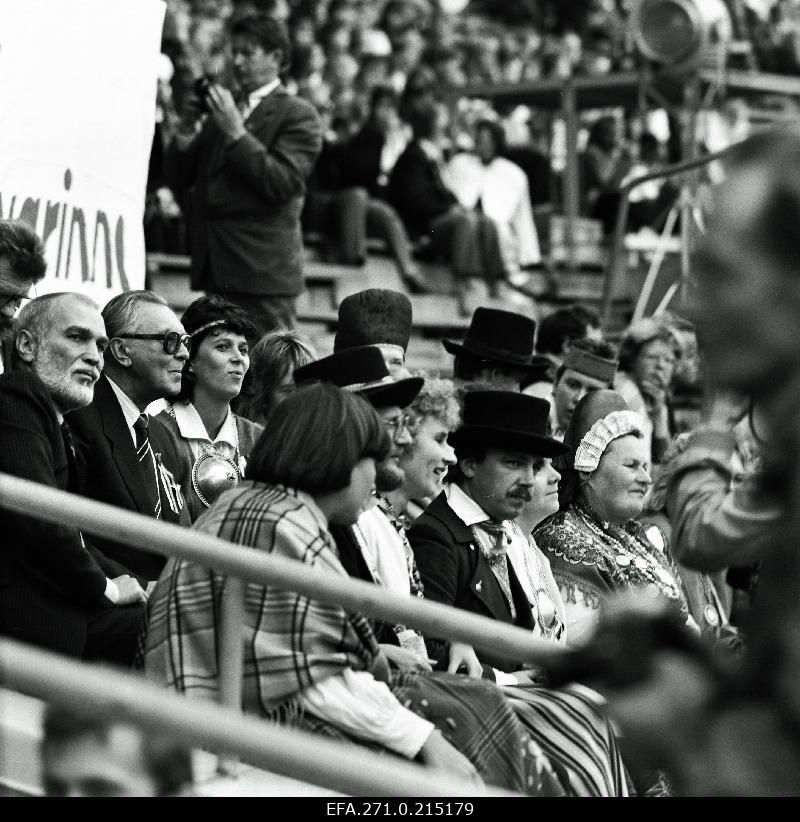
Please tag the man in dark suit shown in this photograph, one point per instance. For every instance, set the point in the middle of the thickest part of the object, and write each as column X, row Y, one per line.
column 57, row 591
column 469, row 552
column 124, row 457
column 466, row 238
column 248, row 169
column 22, row 265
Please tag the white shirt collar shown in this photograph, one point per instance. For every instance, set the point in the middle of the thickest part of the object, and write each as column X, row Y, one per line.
column 431, row 150
column 255, row 97
column 464, row 507
column 191, row 425
column 129, row 408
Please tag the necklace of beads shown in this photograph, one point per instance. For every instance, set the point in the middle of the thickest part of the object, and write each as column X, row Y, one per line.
column 634, row 563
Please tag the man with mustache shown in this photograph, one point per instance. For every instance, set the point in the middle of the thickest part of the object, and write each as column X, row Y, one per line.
column 22, row 265
column 125, row 457
column 57, row 591
column 470, row 553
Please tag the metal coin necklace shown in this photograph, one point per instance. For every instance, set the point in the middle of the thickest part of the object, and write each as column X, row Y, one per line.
column 213, row 473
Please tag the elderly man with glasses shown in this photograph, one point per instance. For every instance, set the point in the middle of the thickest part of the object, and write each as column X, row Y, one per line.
column 22, row 265
column 125, row 457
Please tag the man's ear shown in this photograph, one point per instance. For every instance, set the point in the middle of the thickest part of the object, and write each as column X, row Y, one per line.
column 27, row 346
column 467, row 466
column 119, row 352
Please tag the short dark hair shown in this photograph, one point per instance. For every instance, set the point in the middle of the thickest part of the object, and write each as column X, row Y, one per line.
column 422, row 119
column 496, row 130
column 314, row 439
column 467, row 366
column 560, row 326
column 379, row 94
column 23, row 249
column 268, row 32
column 167, row 761
column 205, row 310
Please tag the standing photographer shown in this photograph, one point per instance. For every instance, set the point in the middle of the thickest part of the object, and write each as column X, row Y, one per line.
column 246, row 168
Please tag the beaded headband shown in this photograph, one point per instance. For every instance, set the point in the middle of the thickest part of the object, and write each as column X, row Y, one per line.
column 595, row 441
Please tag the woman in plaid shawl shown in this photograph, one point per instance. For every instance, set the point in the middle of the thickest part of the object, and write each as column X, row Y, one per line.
column 311, row 665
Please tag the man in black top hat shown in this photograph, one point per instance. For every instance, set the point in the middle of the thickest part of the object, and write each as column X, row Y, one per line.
column 379, row 317
column 470, row 553
column 372, row 549
column 498, row 351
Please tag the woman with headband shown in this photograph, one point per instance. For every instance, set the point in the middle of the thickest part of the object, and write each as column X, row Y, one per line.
column 215, row 441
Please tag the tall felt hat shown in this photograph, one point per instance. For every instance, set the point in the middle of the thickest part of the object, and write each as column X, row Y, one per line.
column 502, row 337
column 507, row 419
column 374, row 316
column 591, row 365
column 363, row 371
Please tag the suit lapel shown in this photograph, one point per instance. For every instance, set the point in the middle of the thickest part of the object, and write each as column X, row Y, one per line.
column 123, row 451
column 483, row 583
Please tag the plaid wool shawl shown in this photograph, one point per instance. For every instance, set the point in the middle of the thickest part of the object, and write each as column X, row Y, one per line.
column 291, row 642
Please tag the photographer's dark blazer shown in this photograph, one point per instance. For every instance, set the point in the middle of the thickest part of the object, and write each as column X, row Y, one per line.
column 109, row 471
column 246, row 198
column 455, row 572
column 51, row 585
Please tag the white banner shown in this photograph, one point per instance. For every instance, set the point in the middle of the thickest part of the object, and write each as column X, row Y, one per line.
column 77, row 108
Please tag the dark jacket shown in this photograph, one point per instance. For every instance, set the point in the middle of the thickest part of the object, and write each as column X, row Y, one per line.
column 50, row 582
column 246, row 198
column 455, row 572
column 109, row 471
column 416, row 189
column 363, row 168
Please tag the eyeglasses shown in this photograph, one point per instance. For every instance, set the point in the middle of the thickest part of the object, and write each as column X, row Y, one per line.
column 397, row 424
column 171, row 340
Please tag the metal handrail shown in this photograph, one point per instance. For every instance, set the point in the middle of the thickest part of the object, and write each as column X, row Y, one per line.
column 123, row 697
column 26, row 497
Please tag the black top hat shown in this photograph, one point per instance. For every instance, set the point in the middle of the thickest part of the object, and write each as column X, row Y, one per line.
column 375, row 315
column 507, row 419
column 502, row 337
column 363, row 371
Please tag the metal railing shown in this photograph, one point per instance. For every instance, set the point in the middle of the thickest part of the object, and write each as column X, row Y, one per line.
column 241, row 564
column 125, row 698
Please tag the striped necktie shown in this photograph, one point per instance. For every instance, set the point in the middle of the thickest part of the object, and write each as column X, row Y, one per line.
column 492, row 538
column 147, row 459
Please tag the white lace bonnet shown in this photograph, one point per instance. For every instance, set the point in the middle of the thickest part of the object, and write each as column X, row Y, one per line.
column 597, row 438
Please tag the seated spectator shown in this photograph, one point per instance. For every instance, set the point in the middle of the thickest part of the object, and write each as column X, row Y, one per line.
column 647, row 357
column 602, row 167
column 498, row 188
column 125, row 457
column 312, row 666
column 379, row 317
column 497, row 350
column 466, row 238
column 587, row 367
column 56, row 590
column 215, row 443
column 472, row 556
column 272, row 365
column 559, row 329
column 594, row 544
column 649, row 202
column 533, row 158
column 94, row 755
column 22, row 265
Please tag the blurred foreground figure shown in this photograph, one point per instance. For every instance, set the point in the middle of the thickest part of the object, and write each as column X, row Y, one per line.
column 738, row 733
column 89, row 755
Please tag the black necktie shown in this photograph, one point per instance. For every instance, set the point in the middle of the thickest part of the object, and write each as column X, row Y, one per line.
column 147, row 460
column 72, row 465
